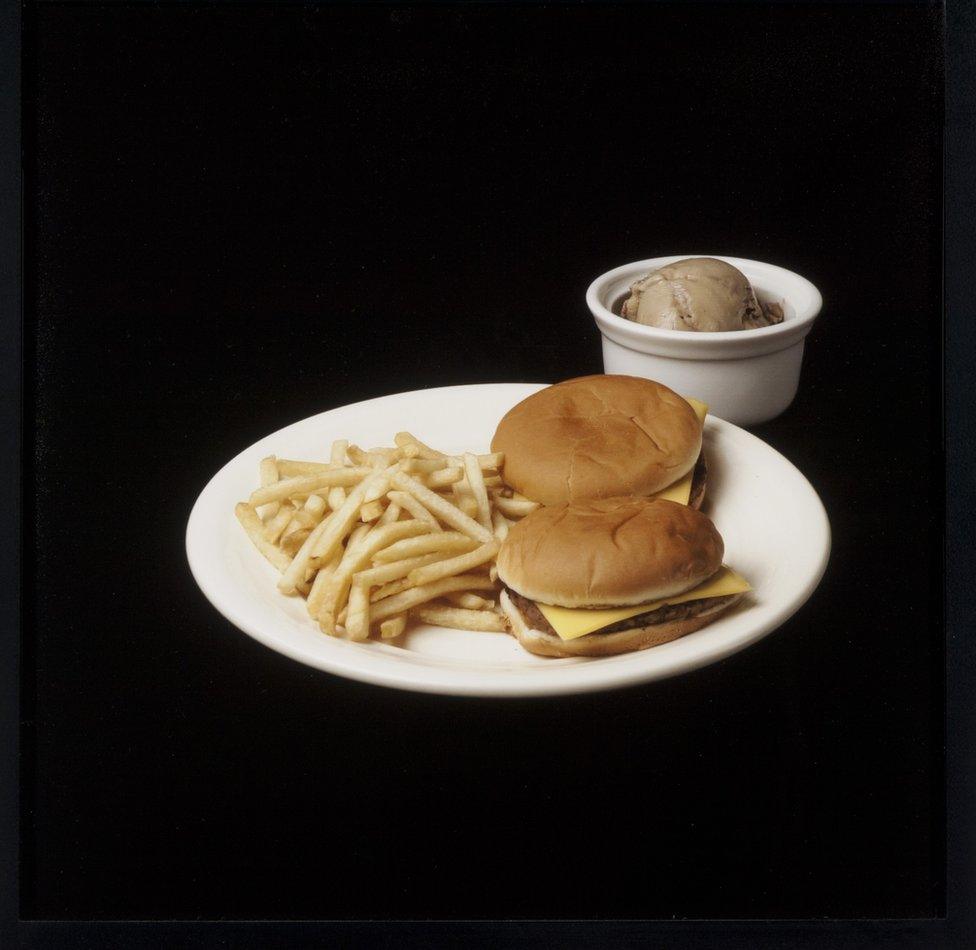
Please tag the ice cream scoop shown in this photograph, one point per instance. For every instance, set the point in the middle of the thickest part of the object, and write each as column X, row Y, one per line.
column 699, row 293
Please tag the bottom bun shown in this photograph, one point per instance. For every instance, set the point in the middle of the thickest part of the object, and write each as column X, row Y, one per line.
column 608, row 644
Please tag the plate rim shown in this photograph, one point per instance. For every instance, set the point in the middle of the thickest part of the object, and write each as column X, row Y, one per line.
column 518, row 684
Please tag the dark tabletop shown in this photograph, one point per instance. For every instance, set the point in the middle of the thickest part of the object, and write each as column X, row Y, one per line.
column 241, row 216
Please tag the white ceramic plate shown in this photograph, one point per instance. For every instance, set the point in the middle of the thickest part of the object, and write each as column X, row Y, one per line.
column 774, row 525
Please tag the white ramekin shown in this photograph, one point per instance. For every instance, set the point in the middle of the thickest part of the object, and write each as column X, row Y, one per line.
column 745, row 376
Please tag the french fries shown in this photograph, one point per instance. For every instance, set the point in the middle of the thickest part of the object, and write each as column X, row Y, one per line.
column 470, row 601
column 337, row 495
column 371, row 511
column 454, row 565
column 445, row 477
column 440, row 508
column 447, row 542
column 275, row 526
column 514, row 507
column 268, row 470
column 476, row 482
column 424, row 451
column 375, row 539
column 408, row 503
column 303, row 485
column 416, row 596
column 359, row 552
column 500, row 524
column 392, row 628
column 289, row 468
column 460, row 618
column 251, row 523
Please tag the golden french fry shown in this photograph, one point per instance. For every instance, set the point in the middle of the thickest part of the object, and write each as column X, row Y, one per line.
column 514, row 507
column 269, row 475
column 357, row 455
column 389, row 455
column 440, row 508
column 253, row 525
column 337, row 452
column 410, row 450
column 401, row 580
column 419, row 466
column 493, row 573
column 424, row 466
column 454, row 565
column 337, row 457
column 493, row 481
column 469, row 601
column 378, row 490
column 500, row 524
column 391, row 588
column 382, row 537
column 308, row 516
column 446, row 542
column 371, row 511
column 357, row 556
column 391, row 514
column 411, row 505
column 461, row 619
column 461, row 497
column 384, row 573
column 274, row 527
column 290, row 468
column 342, row 521
column 424, row 451
column 357, row 613
column 468, row 505
column 445, row 477
column 317, row 591
column 392, row 628
column 329, row 533
column 336, row 585
column 302, row 485
column 295, row 574
column 291, row 543
column 419, row 595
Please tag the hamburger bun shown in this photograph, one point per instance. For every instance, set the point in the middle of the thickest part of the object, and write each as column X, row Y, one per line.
column 598, row 437
column 546, row 643
column 611, row 552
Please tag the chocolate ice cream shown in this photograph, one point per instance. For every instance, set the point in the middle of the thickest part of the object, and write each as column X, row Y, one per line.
column 699, row 293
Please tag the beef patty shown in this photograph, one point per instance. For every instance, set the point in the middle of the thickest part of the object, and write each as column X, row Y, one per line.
column 698, row 479
column 691, row 608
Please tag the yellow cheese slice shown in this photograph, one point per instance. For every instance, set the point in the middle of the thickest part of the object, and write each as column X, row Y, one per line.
column 701, row 408
column 680, row 491
column 570, row 624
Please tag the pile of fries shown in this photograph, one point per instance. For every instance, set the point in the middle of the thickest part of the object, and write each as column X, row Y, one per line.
column 374, row 538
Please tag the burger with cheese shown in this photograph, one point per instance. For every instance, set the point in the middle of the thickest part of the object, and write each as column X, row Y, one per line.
column 612, row 575
column 603, row 436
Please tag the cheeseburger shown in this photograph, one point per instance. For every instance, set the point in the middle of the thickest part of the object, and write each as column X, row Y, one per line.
column 612, row 575
column 604, row 436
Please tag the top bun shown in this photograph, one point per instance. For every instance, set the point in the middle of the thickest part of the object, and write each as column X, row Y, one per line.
column 597, row 437
column 610, row 552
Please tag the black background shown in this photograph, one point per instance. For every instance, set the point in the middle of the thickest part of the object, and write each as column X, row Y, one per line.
column 237, row 217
